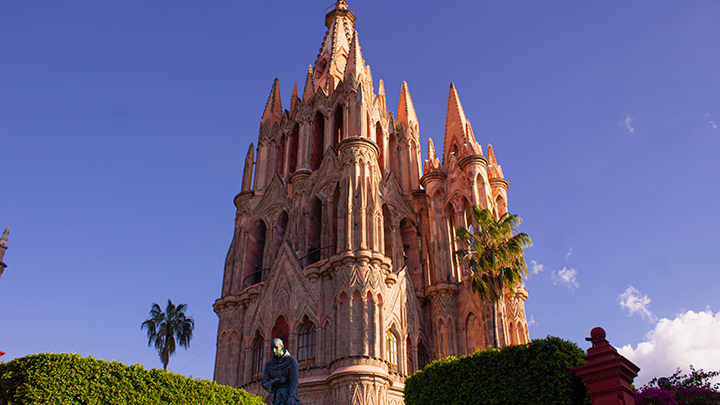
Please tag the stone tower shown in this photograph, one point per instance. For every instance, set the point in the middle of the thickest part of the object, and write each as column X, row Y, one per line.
column 343, row 239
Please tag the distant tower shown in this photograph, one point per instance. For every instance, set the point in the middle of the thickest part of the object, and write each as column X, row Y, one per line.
column 343, row 244
column 3, row 248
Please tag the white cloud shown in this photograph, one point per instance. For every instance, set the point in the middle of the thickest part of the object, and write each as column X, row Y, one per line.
column 566, row 278
column 569, row 253
column 713, row 125
column 536, row 267
column 627, row 122
column 636, row 303
column 690, row 338
column 532, row 321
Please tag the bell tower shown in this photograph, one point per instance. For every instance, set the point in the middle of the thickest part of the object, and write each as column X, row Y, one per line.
column 343, row 239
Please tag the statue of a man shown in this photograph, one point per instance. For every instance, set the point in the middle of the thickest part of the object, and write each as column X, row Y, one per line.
column 280, row 376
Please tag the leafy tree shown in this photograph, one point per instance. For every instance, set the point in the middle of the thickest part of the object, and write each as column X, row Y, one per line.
column 695, row 388
column 493, row 251
column 164, row 327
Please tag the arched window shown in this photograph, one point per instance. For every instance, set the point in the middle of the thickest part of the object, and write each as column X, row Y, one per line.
column 280, row 161
column 314, row 231
column 423, row 358
column 337, row 134
column 257, row 356
column 280, row 330
column 500, row 205
column 411, row 252
column 293, row 149
column 387, row 232
column 317, row 141
column 513, row 334
column 280, row 231
column 393, row 160
column 473, row 334
column 410, row 365
column 380, row 141
column 391, row 345
column 306, row 344
column 254, row 250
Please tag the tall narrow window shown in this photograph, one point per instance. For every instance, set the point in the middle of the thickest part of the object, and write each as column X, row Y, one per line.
column 423, row 358
column 410, row 365
column 257, row 357
column 306, row 344
column 293, row 149
column 317, row 141
column 337, row 134
column 280, row 231
column 280, row 330
column 280, row 161
column 314, row 231
column 380, row 141
column 388, row 232
column 254, row 252
column 392, row 349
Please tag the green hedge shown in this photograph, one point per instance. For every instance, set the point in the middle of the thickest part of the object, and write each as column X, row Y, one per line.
column 536, row 373
column 66, row 379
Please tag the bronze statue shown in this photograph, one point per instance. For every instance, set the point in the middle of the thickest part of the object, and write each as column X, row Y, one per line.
column 280, row 376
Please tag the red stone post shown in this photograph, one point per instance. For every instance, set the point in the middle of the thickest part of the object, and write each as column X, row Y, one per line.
column 608, row 374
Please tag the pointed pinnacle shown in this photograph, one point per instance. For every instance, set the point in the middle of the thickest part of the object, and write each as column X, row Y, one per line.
column 494, row 169
column 293, row 97
column 308, row 89
column 431, row 149
column 273, row 108
column 491, row 155
column 455, row 120
column 355, row 64
column 406, row 111
column 381, row 95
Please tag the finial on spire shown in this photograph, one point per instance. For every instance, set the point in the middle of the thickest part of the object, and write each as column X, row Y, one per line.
column 4, row 238
column 273, row 108
column 342, row 9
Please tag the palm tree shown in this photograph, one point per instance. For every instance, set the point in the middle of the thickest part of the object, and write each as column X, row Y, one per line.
column 493, row 251
column 164, row 327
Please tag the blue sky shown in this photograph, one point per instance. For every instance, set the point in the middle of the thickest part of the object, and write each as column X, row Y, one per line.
column 124, row 126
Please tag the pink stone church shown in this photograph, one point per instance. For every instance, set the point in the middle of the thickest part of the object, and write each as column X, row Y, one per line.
column 343, row 238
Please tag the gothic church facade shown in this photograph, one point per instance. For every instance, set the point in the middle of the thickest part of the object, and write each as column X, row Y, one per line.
column 343, row 238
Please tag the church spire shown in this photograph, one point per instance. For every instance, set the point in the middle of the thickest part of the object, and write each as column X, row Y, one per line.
column 406, row 111
column 335, row 48
column 355, row 64
column 459, row 138
column 455, row 124
column 273, row 108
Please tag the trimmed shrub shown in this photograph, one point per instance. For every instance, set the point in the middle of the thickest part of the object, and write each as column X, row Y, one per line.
column 66, row 379
column 539, row 372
